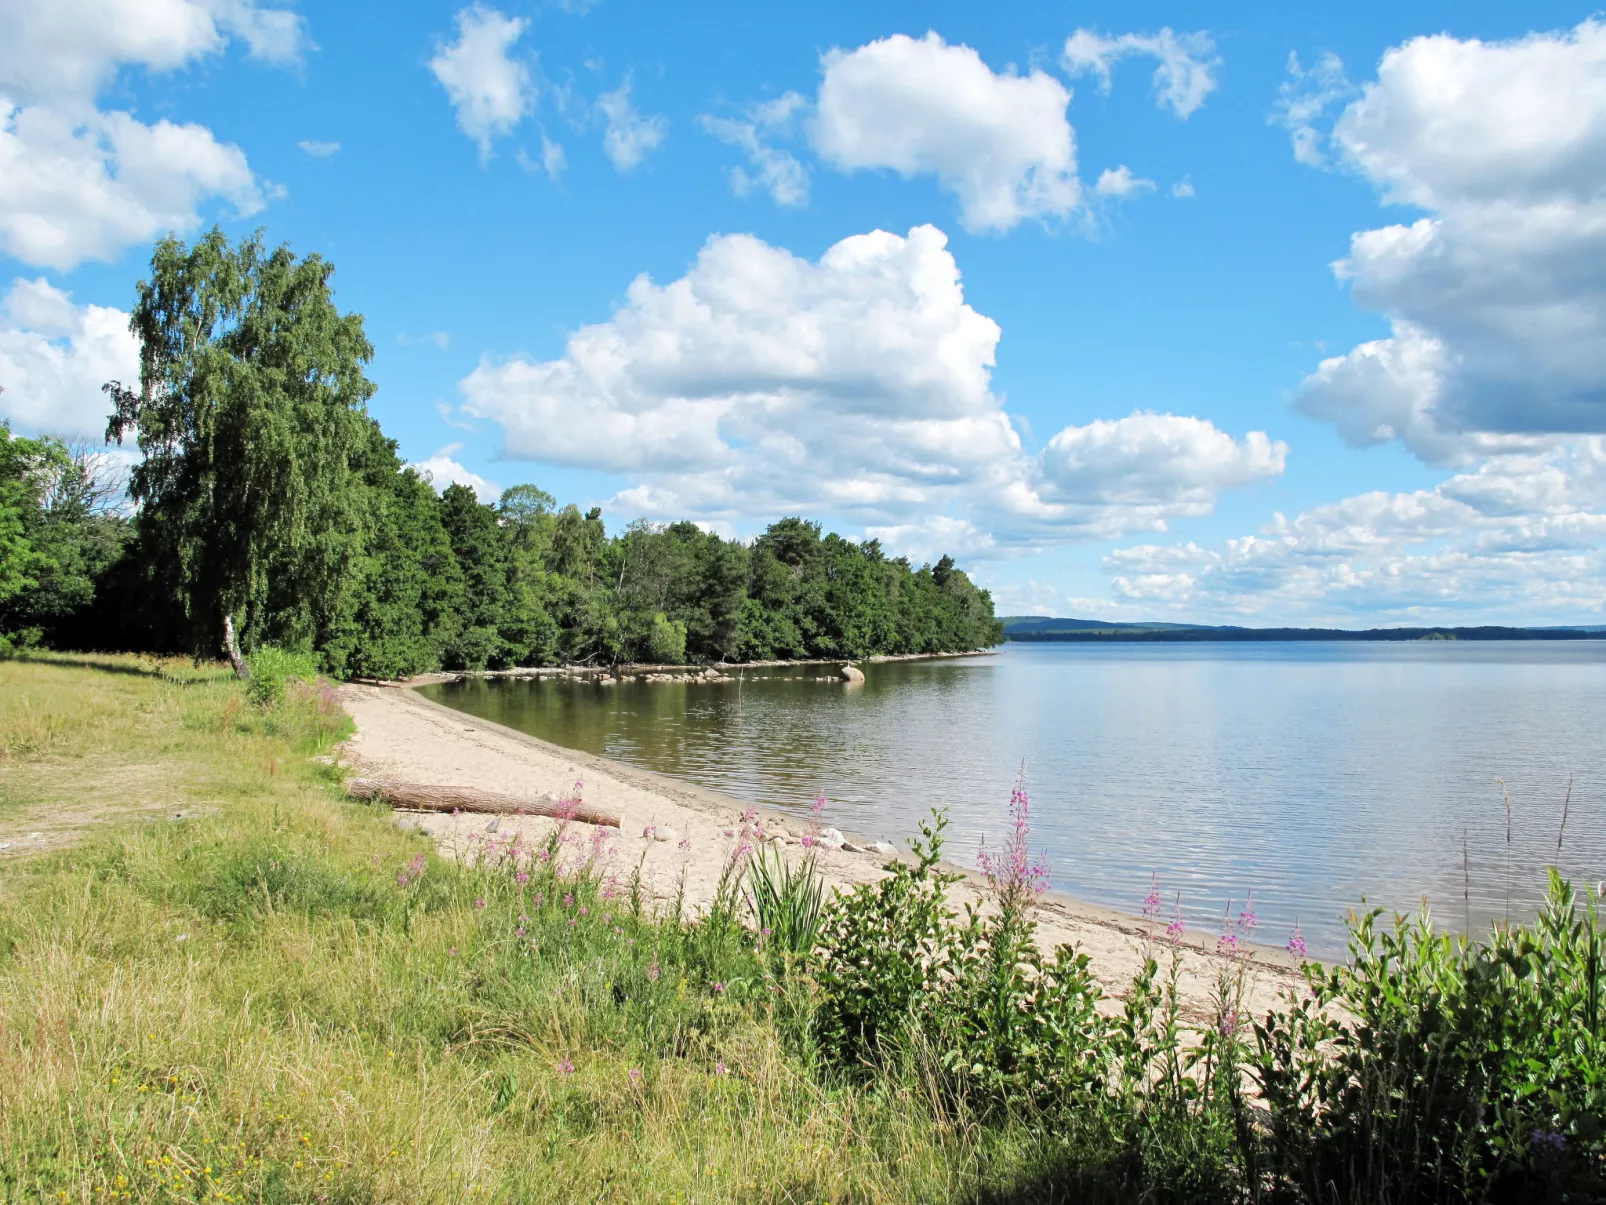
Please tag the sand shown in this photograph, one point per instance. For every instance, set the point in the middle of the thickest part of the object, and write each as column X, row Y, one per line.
column 401, row 735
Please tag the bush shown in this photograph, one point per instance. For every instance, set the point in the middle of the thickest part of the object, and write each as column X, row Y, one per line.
column 1431, row 1068
column 666, row 642
column 272, row 669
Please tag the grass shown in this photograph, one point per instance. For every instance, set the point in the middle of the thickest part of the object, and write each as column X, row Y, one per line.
column 245, row 1005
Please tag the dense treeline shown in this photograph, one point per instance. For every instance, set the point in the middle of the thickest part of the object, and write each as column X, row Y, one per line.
column 270, row 509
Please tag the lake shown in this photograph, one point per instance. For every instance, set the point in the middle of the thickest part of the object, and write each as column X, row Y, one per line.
column 1315, row 775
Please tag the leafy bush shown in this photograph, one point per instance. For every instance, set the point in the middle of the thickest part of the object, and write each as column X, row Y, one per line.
column 272, row 669
column 1430, row 1068
column 666, row 642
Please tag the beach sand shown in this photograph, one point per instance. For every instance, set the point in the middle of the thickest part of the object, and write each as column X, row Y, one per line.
column 402, row 736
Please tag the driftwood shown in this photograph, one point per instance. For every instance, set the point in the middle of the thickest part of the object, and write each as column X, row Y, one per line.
column 424, row 797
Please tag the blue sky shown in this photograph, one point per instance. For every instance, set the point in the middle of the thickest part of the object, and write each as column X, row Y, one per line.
column 1099, row 348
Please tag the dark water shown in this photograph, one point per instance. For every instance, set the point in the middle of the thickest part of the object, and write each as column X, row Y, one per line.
column 1315, row 775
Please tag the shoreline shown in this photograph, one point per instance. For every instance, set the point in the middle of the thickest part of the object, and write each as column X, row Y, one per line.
column 401, row 734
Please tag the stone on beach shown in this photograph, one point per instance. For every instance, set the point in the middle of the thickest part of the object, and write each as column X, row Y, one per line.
column 659, row 832
column 831, row 838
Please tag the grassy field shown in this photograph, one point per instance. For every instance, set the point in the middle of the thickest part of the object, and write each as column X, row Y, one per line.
column 244, row 1004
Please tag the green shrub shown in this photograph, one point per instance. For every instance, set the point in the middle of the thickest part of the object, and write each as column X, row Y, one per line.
column 272, row 669
column 1431, row 1068
column 666, row 641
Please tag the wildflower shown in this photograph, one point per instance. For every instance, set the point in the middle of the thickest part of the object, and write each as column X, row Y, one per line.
column 1227, row 940
column 635, row 1075
column 1174, row 930
column 1247, row 920
column 1015, row 875
column 540, row 898
column 607, row 918
column 1151, row 902
column 519, row 932
column 1227, row 1023
column 565, row 1067
column 523, row 919
column 452, row 953
column 401, row 878
column 479, row 904
column 1296, row 940
column 522, row 877
column 721, row 1069
column 584, row 911
column 417, row 865
column 719, row 989
column 817, row 808
column 685, row 845
column 1547, row 1144
column 652, row 971
column 568, row 899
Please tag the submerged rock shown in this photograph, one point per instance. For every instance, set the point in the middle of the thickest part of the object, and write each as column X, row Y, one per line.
column 852, row 674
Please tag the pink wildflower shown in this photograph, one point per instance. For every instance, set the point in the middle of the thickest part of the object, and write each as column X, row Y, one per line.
column 652, row 970
column 721, row 1069
column 1014, row 874
column 1247, row 920
column 1174, row 930
column 1296, row 941
column 565, row 1067
column 1151, row 902
column 1227, row 940
column 479, row 904
column 635, row 1075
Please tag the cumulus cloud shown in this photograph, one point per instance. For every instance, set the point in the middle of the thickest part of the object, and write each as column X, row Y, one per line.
column 1000, row 142
column 79, row 183
column 490, row 89
column 630, row 137
column 1498, row 295
column 441, row 470
column 761, row 383
column 319, row 150
column 68, row 50
column 1521, row 536
column 73, row 189
column 1120, row 182
column 1186, row 75
column 775, row 171
column 1304, row 99
column 55, row 356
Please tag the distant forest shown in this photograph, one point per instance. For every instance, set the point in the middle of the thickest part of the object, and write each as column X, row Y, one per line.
column 1030, row 629
column 269, row 509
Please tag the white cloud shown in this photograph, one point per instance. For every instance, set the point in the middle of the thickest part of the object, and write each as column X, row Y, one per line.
column 319, row 150
column 55, row 356
column 1185, row 76
column 440, row 470
column 1120, row 182
column 1521, row 538
column 630, row 137
column 66, row 51
column 75, row 189
column 1498, row 296
column 1304, row 98
column 859, row 385
column 79, row 183
column 999, row 142
column 777, row 172
column 1183, row 188
column 490, row 89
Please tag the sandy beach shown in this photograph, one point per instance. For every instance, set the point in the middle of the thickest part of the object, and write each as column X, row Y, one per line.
column 402, row 736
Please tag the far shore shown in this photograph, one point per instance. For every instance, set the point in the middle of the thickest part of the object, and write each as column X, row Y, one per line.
column 401, row 735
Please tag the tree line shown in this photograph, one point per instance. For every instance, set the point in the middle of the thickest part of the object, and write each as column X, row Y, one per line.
column 269, row 509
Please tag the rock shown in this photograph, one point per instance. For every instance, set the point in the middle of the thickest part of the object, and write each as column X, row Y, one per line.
column 883, row 847
column 853, row 847
column 852, row 674
column 831, row 838
column 658, row 832
column 778, row 841
column 494, row 825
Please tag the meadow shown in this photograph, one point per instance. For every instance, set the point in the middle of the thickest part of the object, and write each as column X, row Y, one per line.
column 230, row 982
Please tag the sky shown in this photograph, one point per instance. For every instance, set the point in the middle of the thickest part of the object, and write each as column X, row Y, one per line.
column 1212, row 312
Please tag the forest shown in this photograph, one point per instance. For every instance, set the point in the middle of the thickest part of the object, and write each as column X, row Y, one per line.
column 269, row 509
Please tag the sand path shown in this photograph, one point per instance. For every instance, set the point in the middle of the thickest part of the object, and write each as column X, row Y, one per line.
column 401, row 735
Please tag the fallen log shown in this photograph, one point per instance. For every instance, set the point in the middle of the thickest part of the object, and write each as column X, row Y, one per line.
column 427, row 797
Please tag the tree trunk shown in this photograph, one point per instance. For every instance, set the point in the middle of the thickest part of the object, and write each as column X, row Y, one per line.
column 425, row 797
column 241, row 670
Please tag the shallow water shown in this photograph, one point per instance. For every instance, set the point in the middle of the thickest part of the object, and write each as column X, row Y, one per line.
column 1314, row 775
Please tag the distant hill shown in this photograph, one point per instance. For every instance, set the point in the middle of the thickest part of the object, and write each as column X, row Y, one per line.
column 1034, row 628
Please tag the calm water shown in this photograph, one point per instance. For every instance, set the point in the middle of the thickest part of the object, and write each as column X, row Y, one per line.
column 1315, row 775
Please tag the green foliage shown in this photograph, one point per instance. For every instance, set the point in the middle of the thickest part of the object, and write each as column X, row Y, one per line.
column 666, row 642
column 787, row 901
column 1432, row 1069
column 272, row 669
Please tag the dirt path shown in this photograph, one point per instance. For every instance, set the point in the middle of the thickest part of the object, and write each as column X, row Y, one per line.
column 402, row 735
